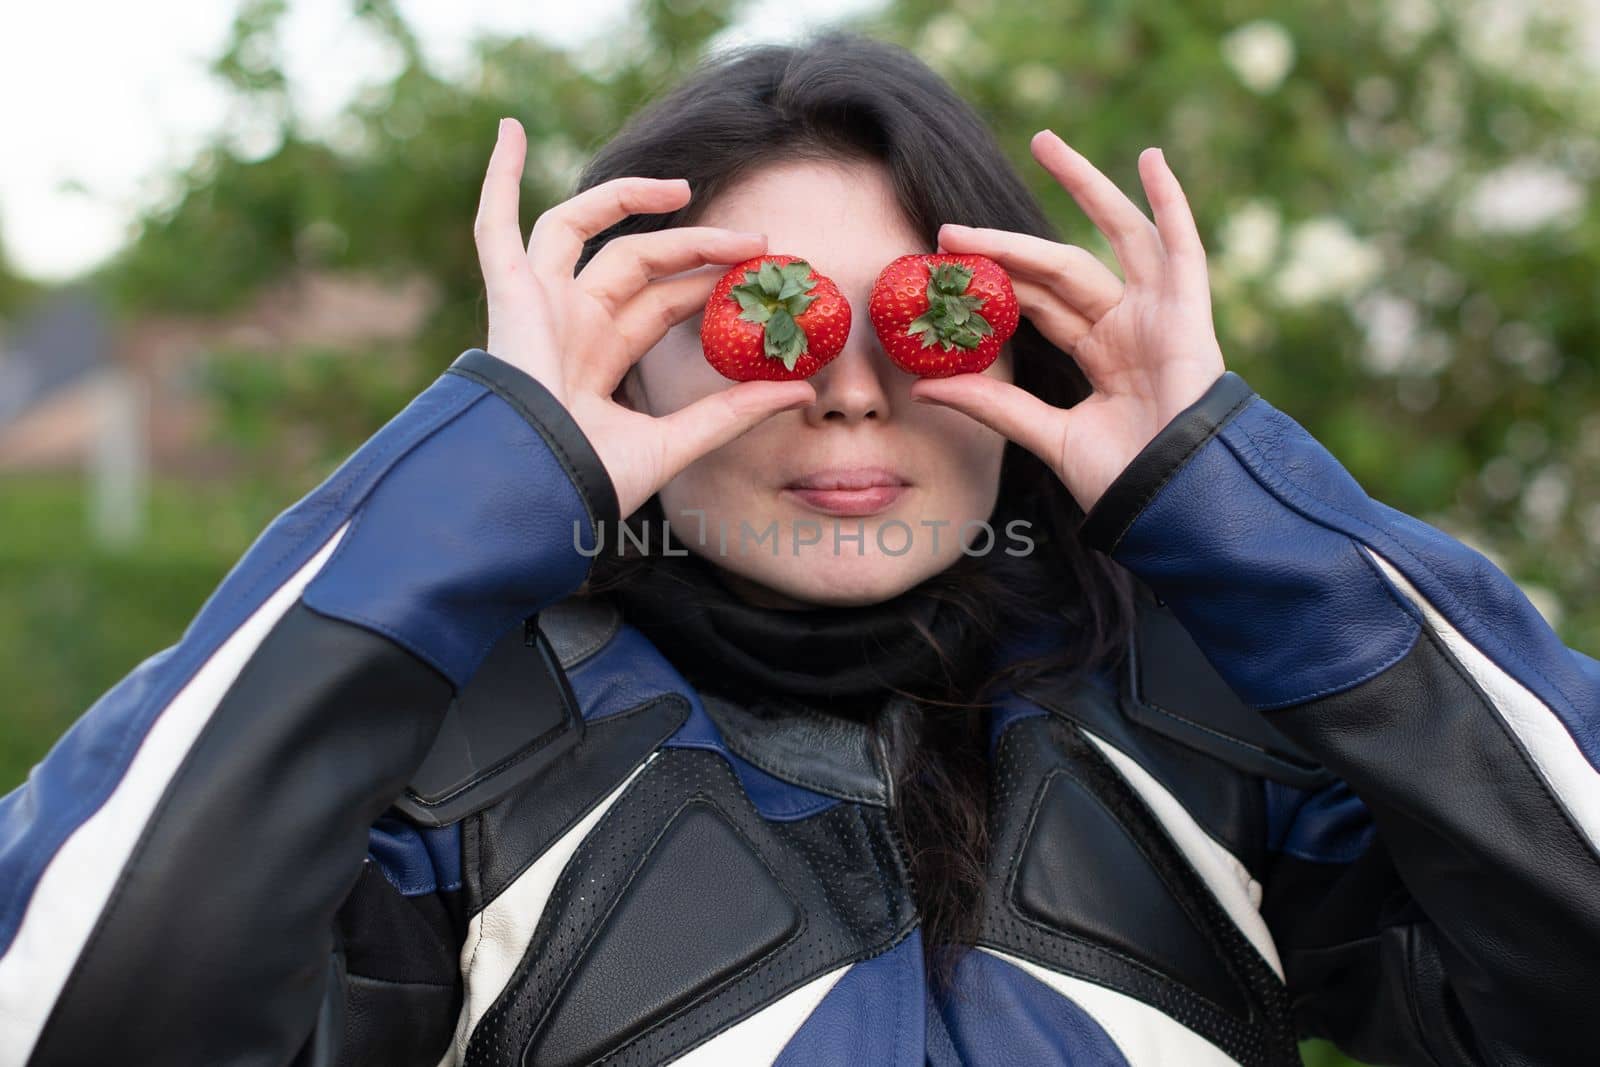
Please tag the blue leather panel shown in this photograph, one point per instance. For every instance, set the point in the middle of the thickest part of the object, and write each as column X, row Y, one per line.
column 416, row 860
column 1327, row 825
column 1284, row 608
column 485, row 515
column 1000, row 1014
column 630, row 670
column 1253, row 544
column 874, row 1015
column 773, row 797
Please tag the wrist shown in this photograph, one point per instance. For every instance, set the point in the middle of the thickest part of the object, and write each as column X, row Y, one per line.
column 1115, row 509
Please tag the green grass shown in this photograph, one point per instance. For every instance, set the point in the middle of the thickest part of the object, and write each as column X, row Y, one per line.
column 75, row 618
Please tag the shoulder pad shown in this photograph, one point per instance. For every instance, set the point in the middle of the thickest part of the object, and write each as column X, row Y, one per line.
column 515, row 717
column 1171, row 688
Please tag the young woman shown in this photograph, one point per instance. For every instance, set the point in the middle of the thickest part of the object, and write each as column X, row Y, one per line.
column 1225, row 753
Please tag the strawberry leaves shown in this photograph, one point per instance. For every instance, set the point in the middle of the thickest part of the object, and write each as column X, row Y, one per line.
column 952, row 317
column 773, row 296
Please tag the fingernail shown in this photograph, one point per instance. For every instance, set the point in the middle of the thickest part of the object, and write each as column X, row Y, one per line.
column 956, row 227
column 500, row 130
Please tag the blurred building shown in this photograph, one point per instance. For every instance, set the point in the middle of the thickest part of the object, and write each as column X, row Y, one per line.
column 76, row 388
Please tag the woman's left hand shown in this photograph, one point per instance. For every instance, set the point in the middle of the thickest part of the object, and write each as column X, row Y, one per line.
column 1148, row 347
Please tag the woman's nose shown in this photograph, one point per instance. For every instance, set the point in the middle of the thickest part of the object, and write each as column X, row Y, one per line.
column 853, row 385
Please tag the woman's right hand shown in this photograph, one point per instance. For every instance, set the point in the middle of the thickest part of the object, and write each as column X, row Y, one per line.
column 579, row 335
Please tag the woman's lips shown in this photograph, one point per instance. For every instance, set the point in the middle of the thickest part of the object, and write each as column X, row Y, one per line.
column 849, row 490
column 854, row 502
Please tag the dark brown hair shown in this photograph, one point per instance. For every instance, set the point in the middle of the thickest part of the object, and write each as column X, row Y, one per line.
column 842, row 95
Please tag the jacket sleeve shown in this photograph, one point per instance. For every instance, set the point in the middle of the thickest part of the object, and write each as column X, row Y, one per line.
column 1440, row 902
column 171, row 871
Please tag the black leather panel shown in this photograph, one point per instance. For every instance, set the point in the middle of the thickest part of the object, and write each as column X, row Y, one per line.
column 831, row 754
column 702, row 906
column 579, row 626
column 326, row 1045
column 397, row 938
column 1364, row 960
column 514, row 718
column 1172, row 688
column 840, row 869
column 555, row 423
column 397, row 1024
column 503, row 840
column 1082, row 872
column 325, row 718
column 1160, row 459
column 1249, row 1017
column 1498, row 887
column 1225, row 800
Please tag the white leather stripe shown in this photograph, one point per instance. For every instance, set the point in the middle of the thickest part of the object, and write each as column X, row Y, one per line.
column 1227, row 878
column 1147, row 1036
column 497, row 937
column 1568, row 775
column 762, row 1037
column 74, row 887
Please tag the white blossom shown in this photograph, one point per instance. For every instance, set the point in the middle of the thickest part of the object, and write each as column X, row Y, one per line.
column 1522, row 197
column 1545, row 499
column 1249, row 239
column 1260, row 53
column 1325, row 260
column 1037, row 83
column 1591, row 525
column 1406, row 22
column 1501, row 478
column 1396, row 343
column 1391, row 323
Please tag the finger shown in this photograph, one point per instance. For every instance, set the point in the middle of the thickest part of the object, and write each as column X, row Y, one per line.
column 1003, row 407
column 560, row 231
column 1186, row 255
column 644, row 320
column 1086, row 283
column 627, row 264
column 1060, row 323
column 495, row 230
column 714, row 420
column 1133, row 236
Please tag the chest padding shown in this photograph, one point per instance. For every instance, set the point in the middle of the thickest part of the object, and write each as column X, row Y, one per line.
column 684, row 911
column 1085, row 881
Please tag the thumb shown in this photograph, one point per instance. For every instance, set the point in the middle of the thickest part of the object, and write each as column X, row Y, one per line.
column 713, row 421
column 1003, row 407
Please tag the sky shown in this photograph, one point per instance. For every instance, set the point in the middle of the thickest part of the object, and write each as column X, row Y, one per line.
column 100, row 99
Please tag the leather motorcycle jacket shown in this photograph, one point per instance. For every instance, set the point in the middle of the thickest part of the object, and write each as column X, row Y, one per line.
column 398, row 796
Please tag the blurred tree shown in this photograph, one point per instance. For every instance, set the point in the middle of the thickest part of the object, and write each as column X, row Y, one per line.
column 1395, row 200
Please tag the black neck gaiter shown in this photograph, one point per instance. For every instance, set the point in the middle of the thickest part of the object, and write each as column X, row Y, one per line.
column 840, row 659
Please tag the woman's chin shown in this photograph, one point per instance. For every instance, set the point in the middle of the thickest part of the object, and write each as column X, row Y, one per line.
column 816, row 575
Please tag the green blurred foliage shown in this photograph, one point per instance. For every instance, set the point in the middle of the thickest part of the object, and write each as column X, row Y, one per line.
column 76, row 617
column 1394, row 198
column 17, row 293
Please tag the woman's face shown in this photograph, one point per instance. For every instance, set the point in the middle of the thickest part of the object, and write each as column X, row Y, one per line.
column 789, row 549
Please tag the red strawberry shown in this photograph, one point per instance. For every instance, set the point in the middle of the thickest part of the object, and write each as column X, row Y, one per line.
column 771, row 317
column 939, row 314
